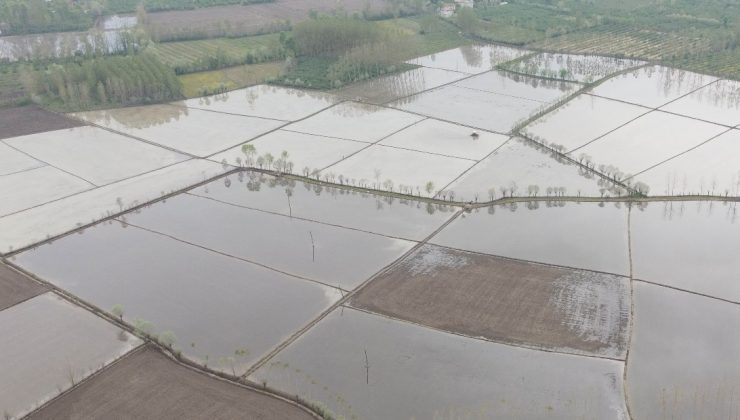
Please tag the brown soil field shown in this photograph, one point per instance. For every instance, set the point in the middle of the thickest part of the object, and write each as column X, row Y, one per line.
column 15, row 287
column 506, row 301
column 20, row 121
column 148, row 385
column 250, row 19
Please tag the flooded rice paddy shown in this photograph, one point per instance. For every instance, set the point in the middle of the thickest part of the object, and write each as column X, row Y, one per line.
column 340, row 257
column 266, row 102
column 13, row 161
column 380, row 214
column 522, row 168
column 595, row 117
column 471, row 59
column 49, row 345
column 652, row 86
column 718, row 103
column 518, row 86
column 94, row 154
column 215, row 305
column 702, row 257
column 355, row 121
column 578, row 68
column 590, row 236
column 34, row 187
column 415, row 372
column 392, row 87
column 190, row 131
column 683, row 361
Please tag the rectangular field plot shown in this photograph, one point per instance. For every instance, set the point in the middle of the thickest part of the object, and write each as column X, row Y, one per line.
column 579, row 235
column 148, row 385
column 474, row 108
column 578, row 68
column 648, row 141
column 340, row 257
column 12, row 161
column 523, row 168
column 223, row 312
column 24, row 120
column 471, row 59
column 304, row 151
column 15, row 287
column 582, row 120
column 718, row 103
column 192, row 131
column 518, row 86
column 39, row 223
column 343, row 207
column 712, row 168
column 49, row 345
column 415, row 372
column 384, row 167
column 508, row 301
column 37, row 186
column 652, row 86
column 683, row 359
column 265, row 101
column 94, row 154
column 443, row 138
column 395, row 86
column 688, row 245
column 355, row 121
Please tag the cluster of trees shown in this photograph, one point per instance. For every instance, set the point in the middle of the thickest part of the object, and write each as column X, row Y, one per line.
column 37, row 16
column 354, row 49
column 102, row 81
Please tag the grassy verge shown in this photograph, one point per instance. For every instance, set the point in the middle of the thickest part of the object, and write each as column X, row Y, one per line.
column 198, row 84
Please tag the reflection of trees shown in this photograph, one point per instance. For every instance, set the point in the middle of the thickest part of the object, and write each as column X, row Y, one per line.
column 573, row 67
column 138, row 117
column 256, row 182
column 388, row 88
column 676, row 210
column 472, row 54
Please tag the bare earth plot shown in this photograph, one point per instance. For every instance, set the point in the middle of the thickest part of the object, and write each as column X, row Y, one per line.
column 648, row 141
column 95, row 155
column 702, row 257
column 223, row 312
column 504, row 300
column 355, row 121
column 582, row 120
column 39, row 223
column 652, row 86
column 580, row 235
column 304, row 150
column 332, row 255
column 192, row 131
column 574, row 67
column 34, row 187
column 380, row 214
column 712, row 168
column 718, row 103
column 24, row 120
column 683, row 358
column 390, row 88
column 48, row 346
column 15, row 287
column 416, row 372
column 470, row 59
column 520, row 165
column 378, row 164
column 265, row 101
column 148, row 385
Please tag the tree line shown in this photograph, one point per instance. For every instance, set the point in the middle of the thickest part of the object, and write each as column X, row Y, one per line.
column 104, row 81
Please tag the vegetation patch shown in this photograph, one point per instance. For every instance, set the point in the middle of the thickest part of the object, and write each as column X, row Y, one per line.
column 216, row 81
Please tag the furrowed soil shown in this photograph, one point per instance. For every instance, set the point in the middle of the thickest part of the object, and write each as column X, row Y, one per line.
column 15, row 288
column 147, row 385
column 24, row 120
column 507, row 301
